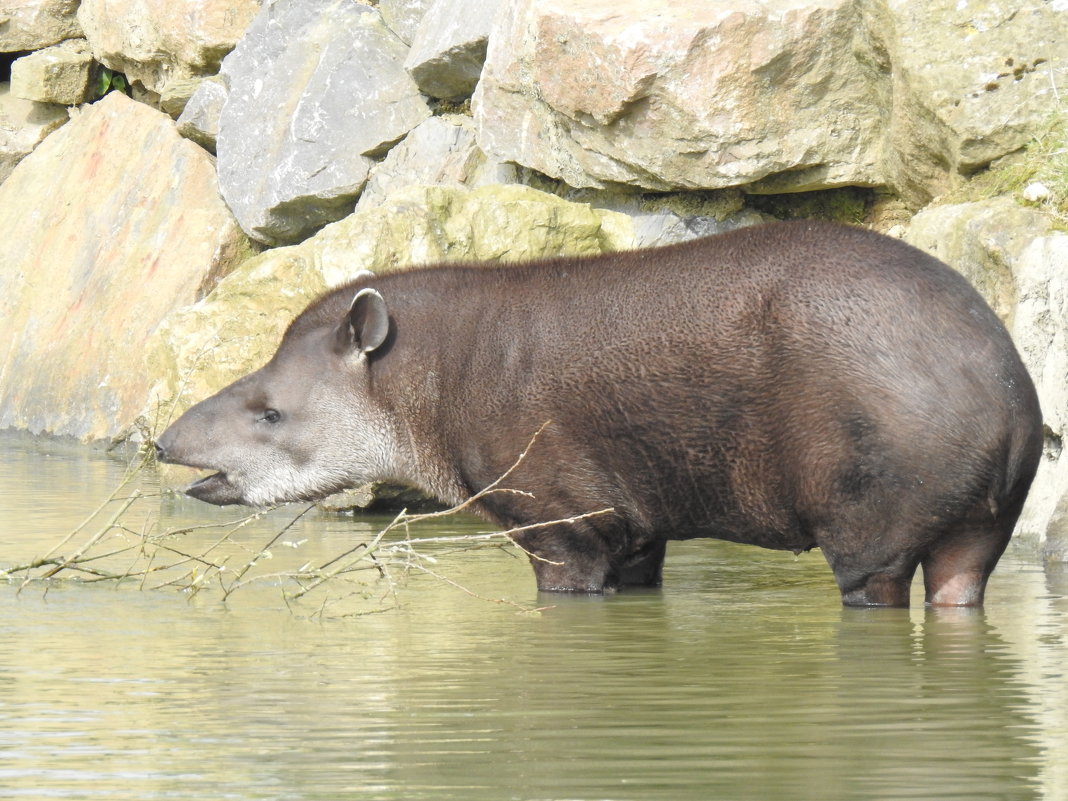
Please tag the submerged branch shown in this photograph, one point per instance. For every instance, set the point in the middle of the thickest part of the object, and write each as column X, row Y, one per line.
column 372, row 570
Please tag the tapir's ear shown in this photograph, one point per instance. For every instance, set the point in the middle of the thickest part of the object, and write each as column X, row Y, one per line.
column 368, row 322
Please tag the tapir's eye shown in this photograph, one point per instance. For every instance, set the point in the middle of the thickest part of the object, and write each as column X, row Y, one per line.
column 270, row 416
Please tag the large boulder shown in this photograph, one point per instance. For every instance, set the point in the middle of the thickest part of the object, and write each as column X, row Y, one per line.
column 317, row 89
column 972, row 81
column 110, row 224
column 236, row 328
column 23, row 125
column 156, row 42
column 681, row 94
column 1012, row 255
column 449, row 47
column 32, row 24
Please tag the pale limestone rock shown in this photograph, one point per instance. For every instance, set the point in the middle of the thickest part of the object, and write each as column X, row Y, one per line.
column 110, row 224
column 177, row 94
column 677, row 94
column 33, row 24
column 154, row 43
column 403, row 16
column 317, row 89
column 23, row 125
column 972, row 81
column 449, row 47
column 237, row 327
column 199, row 120
column 202, row 347
column 1041, row 330
column 59, row 74
column 1010, row 254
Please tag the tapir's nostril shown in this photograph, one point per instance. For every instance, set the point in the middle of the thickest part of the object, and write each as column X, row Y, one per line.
column 161, row 453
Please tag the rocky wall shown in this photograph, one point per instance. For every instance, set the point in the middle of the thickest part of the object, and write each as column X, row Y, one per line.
column 341, row 135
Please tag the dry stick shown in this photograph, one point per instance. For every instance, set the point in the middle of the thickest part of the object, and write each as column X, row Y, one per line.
column 248, row 566
column 330, row 574
column 90, row 542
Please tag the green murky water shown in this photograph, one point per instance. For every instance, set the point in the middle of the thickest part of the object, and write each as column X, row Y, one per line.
column 742, row 679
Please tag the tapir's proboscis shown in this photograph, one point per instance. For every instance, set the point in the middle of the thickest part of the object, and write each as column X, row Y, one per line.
column 792, row 386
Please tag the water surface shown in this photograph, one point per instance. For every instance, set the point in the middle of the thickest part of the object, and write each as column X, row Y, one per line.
column 742, row 679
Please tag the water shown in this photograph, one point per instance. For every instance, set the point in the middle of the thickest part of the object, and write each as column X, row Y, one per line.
column 742, row 679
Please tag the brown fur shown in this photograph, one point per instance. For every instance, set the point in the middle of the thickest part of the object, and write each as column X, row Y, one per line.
column 789, row 386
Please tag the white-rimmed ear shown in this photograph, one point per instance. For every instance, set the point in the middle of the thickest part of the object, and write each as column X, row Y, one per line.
column 368, row 323
column 361, row 274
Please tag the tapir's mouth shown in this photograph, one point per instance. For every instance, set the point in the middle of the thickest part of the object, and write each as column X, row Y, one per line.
column 215, row 488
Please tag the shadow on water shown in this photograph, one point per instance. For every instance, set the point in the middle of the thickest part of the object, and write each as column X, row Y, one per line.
column 742, row 679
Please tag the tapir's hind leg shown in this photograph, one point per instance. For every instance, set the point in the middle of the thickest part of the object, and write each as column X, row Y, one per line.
column 869, row 573
column 956, row 568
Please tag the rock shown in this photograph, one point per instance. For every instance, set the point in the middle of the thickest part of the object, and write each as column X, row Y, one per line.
column 33, row 24
column 199, row 120
column 1036, row 192
column 403, row 16
column 317, row 89
column 1009, row 253
column 235, row 329
column 983, row 241
column 177, row 94
column 423, row 225
column 111, row 223
column 440, row 151
column 380, row 497
column 154, row 43
column 203, row 347
column 665, row 220
column 59, row 74
column 23, row 125
column 449, row 47
column 972, row 81
column 683, row 94
column 1041, row 331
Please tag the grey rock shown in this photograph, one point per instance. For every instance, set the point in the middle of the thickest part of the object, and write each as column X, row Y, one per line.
column 449, row 47
column 177, row 94
column 403, row 16
column 317, row 91
column 199, row 120
column 437, row 152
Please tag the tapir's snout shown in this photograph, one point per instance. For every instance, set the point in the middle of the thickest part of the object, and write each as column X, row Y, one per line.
column 215, row 488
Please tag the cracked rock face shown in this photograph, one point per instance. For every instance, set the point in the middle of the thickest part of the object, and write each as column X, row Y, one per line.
column 682, row 94
column 317, row 88
column 773, row 95
column 154, row 43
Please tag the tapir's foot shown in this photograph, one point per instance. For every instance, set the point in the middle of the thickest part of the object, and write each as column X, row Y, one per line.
column 596, row 573
column 879, row 589
column 956, row 571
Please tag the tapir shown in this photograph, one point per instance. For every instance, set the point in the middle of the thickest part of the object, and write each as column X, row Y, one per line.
column 791, row 386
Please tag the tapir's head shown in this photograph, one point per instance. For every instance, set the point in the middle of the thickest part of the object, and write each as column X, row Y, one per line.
column 301, row 427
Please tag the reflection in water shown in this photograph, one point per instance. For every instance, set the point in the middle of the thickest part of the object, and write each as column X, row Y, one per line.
column 742, row 679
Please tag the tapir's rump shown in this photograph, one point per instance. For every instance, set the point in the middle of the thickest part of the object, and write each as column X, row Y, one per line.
column 790, row 386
